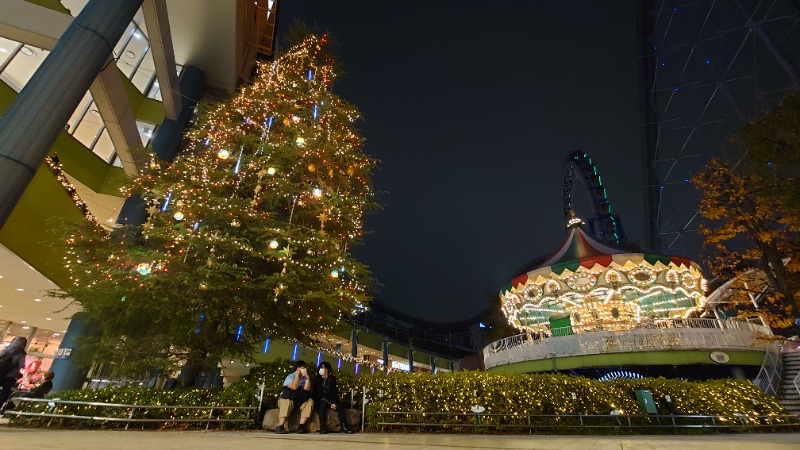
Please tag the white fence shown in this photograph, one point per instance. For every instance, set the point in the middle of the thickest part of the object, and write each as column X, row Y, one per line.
column 677, row 334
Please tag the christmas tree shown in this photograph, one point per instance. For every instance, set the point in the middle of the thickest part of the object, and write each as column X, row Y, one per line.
column 249, row 231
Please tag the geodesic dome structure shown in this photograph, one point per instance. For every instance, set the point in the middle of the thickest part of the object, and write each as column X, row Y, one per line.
column 588, row 286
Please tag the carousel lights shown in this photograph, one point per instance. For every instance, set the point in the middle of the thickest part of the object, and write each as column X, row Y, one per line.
column 574, row 221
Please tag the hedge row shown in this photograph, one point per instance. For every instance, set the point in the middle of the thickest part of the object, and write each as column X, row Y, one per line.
column 515, row 396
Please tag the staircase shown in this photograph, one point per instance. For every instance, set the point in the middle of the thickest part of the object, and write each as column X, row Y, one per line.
column 788, row 395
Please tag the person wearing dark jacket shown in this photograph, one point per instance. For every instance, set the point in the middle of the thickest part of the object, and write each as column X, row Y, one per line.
column 326, row 398
column 13, row 358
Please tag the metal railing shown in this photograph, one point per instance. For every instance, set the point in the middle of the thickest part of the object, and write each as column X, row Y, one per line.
column 572, row 422
column 129, row 412
column 769, row 376
column 796, row 383
column 673, row 334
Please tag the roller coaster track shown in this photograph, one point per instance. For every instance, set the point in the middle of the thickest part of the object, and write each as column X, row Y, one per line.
column 603, row 225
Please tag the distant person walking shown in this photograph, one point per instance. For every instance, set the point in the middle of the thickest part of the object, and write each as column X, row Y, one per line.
column 12, row 361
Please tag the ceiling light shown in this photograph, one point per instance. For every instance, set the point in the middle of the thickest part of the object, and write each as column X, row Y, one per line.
column 25, row 50
column 130, row 54
column 1, row 277
column 20, row 290
column 48, row 318
column 37, row 299
column 26, row 327
column 23, row 321
column 2, row 50
column 56, row 334
column 137, row 34
column 94, row 112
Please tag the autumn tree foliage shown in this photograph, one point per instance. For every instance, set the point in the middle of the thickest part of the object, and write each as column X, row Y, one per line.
column 751, row 216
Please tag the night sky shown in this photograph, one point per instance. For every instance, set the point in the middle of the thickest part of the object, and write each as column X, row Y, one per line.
column 471, row 108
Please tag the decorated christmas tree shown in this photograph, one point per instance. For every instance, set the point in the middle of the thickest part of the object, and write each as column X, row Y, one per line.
column 249, row 230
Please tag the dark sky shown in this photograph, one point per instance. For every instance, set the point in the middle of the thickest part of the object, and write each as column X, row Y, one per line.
column 472, row 107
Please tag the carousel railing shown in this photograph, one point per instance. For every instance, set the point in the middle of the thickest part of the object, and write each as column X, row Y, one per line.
column 669, row 334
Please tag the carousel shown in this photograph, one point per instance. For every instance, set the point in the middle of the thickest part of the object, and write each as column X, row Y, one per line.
column 586, row 285
column 591, row 309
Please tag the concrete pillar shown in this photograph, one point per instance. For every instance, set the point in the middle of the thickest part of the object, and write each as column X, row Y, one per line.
column 354, row 343
column 385, row 349
column 68, row 374
column 37, row 116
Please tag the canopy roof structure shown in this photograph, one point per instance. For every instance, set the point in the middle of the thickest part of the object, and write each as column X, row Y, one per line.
column 586, row 285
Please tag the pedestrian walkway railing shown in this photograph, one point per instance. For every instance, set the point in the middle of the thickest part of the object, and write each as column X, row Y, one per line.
column 549, row 422
column 54, row 409
column 673, row 334
column 769, row 375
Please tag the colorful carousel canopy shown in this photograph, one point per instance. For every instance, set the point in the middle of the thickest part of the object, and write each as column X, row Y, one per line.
column 586, row 285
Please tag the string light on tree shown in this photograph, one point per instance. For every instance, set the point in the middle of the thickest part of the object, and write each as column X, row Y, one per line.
column 256, row 227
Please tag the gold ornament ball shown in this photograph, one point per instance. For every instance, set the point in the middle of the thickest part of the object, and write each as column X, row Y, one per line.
column 273, row 245
column 203, row 287
column 350, row 171
column 312, row 168
column 223, row 154
column 286, row 121
column 300, row 141
column 178, row 216
column 271, row 171
column 235, row 223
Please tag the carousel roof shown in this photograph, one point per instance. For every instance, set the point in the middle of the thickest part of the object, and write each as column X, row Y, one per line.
column 582, row 250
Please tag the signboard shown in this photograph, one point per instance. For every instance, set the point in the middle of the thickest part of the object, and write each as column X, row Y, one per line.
column 63, row 353
column 720, row 357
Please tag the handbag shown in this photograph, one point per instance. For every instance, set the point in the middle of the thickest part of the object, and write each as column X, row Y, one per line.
column 298, row 395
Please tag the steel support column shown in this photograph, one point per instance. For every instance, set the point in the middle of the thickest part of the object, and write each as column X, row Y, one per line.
column 34, row 120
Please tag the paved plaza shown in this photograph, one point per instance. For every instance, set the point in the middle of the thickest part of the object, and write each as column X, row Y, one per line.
column 15, row 438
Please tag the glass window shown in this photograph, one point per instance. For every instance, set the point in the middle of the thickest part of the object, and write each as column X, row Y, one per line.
column 145, row 71
column 132, row 53
column 90, row 127
column 80, row 112
column 104, row 148
column 22, row 67
column 146, row 130
column 44, row 342
column 123, row 41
